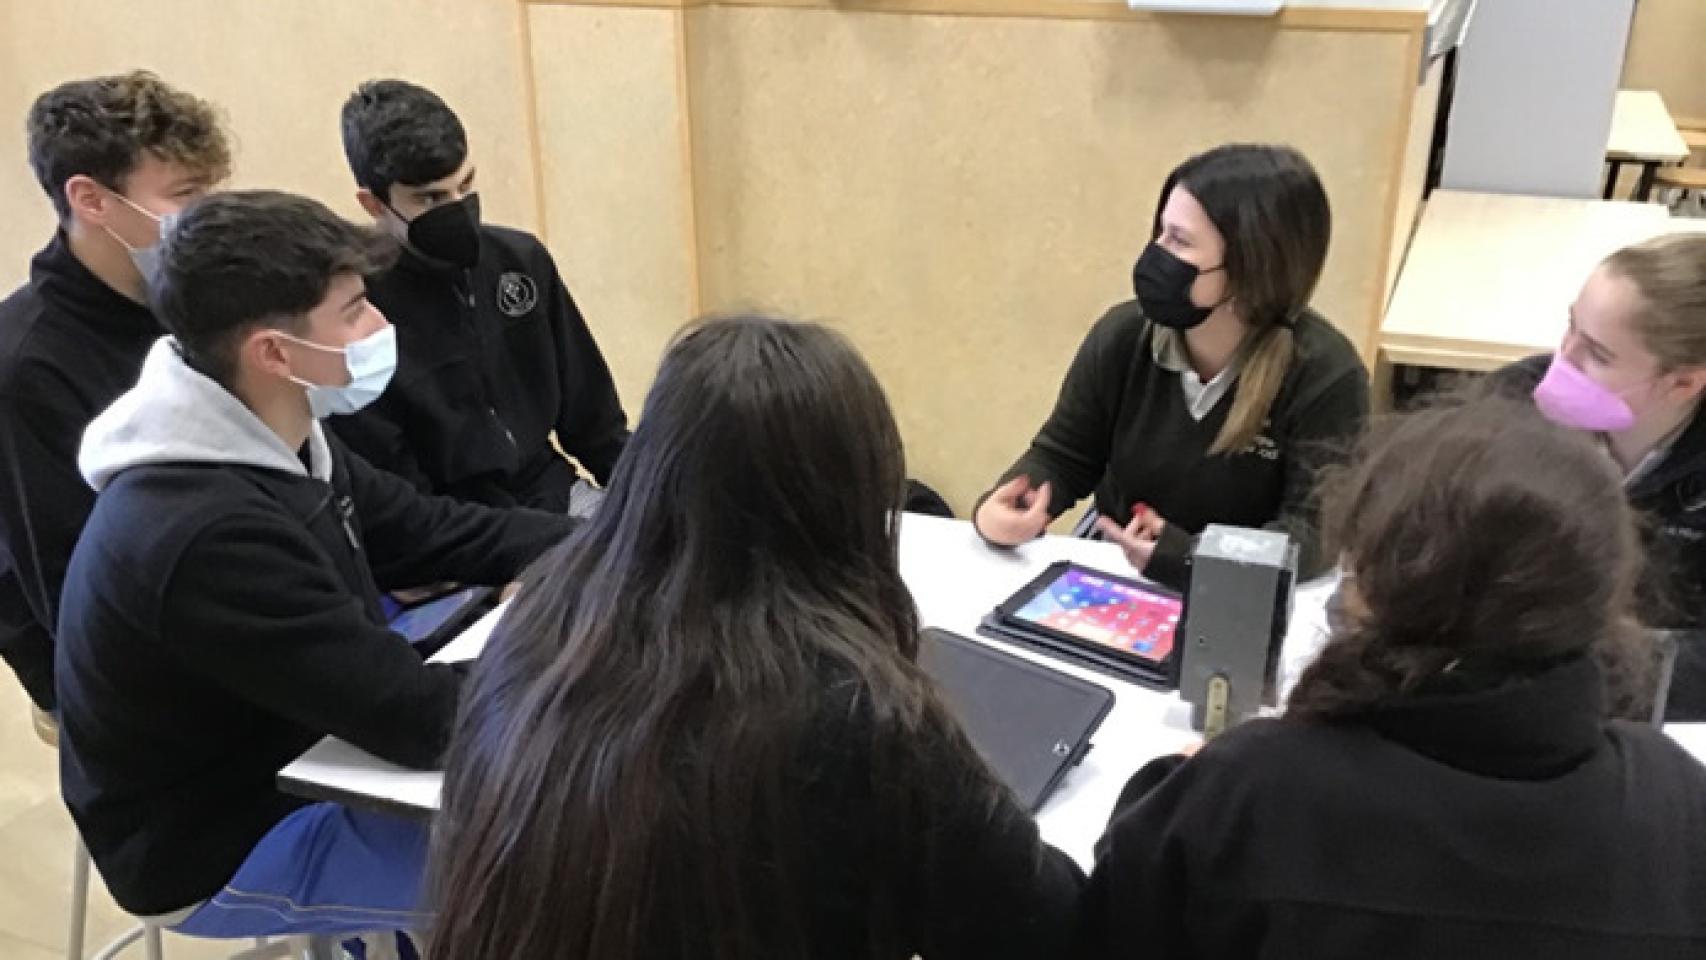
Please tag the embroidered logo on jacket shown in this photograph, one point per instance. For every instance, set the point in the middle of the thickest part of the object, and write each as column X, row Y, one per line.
column 517, row 294
column 1263, row 446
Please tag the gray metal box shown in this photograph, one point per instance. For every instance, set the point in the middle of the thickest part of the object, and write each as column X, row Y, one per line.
column 1235, row 621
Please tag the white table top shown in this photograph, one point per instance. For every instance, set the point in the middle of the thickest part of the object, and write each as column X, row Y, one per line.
column 1489, row 278
column 1643, row 130
column 955, row 579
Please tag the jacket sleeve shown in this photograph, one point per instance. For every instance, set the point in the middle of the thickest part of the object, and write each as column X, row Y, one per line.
column 412, row 538
column 44, row 500
column 1070, row 452
column 1170, row 564
column 591, row 425
column 376, row 434
column 992, row 888
column 253, row 605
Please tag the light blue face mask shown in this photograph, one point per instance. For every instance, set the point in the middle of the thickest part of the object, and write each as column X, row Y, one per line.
column 370, row 361
column 147, row 259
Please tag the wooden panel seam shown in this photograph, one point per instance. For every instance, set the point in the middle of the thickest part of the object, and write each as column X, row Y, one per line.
column 689, row 176
column 535, row 138
column 1291, row 18
column 1370, row 341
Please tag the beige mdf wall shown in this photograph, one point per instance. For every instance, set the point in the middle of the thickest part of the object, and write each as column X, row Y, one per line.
column 964, row 196
column 1664, row 54
column 280, row 71
column 961, row 194
column 959, row 187
column 612, row 119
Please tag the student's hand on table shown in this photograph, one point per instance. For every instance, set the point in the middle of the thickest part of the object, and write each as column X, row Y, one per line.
column 1137, row 538
column 1015, row 513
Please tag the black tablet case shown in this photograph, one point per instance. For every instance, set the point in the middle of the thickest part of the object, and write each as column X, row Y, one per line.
column 1032, row 724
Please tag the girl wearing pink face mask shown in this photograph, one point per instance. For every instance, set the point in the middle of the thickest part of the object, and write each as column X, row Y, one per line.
column 1632, row 369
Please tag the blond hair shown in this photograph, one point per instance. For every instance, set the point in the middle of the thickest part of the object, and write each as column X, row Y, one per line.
column 1669, row 274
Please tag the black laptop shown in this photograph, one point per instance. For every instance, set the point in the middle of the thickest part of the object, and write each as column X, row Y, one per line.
column 1031, row 723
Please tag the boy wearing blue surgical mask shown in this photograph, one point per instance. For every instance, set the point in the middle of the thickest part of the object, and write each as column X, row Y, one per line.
column 115, row 155
column 222, row 612
column 494, row 357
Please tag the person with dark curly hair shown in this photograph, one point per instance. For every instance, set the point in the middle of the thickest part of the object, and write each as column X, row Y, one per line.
column 1455, row 774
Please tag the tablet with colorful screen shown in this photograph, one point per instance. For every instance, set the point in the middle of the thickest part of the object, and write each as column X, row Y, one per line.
column 1084, row 605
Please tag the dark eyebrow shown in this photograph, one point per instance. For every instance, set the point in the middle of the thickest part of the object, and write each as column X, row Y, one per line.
column 359, row 297
column 469, row 179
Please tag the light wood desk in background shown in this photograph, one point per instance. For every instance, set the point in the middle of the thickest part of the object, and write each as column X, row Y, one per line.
column 1643, row 132
column 1490, row 278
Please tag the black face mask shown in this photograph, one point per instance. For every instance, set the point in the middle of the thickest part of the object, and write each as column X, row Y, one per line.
column 1163, row 286
column 449, row 232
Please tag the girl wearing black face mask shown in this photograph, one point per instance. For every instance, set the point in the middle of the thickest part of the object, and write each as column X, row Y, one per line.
column 1217, row 394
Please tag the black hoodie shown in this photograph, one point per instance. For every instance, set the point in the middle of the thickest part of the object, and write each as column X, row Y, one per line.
column 490, row 362
column 221, row 614
column 1511, row 823
column 69, row 345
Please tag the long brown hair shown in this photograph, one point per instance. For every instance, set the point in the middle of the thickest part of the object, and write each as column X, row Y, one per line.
column 1269, row 205
column 1480, row 538
column 615, row 785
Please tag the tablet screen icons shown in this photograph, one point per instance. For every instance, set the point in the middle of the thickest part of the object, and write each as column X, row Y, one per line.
column 1107, row 612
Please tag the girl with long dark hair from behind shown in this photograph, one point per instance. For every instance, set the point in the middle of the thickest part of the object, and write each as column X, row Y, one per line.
column 701, row 730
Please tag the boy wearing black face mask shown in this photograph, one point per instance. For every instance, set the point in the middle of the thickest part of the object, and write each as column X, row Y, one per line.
column 493, row 355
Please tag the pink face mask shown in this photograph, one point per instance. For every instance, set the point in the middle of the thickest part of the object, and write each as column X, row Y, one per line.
column 1570, row 398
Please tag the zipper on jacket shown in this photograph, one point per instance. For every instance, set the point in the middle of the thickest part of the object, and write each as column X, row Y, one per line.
column 346, row 515
column 508, row 435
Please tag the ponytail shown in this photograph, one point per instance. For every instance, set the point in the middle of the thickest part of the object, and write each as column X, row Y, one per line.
column 1259, row 383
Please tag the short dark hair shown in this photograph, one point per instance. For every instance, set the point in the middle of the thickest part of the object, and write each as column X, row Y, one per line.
column 100, row 127
column 234, row 260
column 398, row 132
